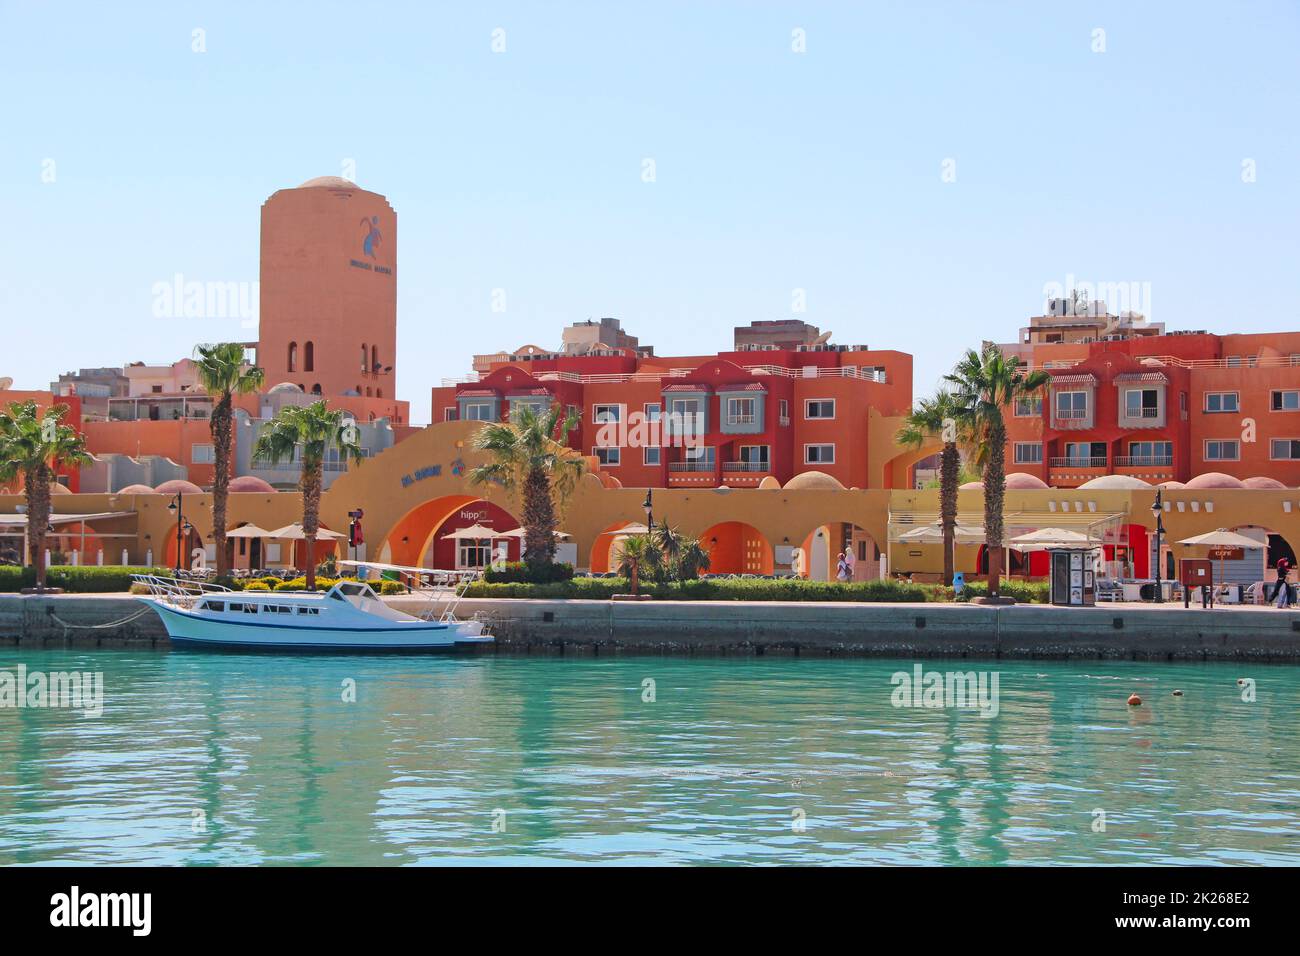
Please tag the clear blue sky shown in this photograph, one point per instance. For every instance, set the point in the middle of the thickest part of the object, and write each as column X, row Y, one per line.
column 775, row 171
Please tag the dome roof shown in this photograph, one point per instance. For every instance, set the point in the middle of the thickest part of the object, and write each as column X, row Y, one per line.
column 1262, row 482
column 285, row 387
column 1152, row 362
column 971, row 486
column 250, row 484
column 1171, row 484
column 329, row 182
column 1020, row 480
column 1102, row 482
column 769, row 483
column 178, row 486
column 58, row 489
column 813, row 480
column 135, row 490
column 1214, row 479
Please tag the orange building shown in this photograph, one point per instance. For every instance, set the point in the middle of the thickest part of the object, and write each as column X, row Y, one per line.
column 328, row 317
column 44, row 400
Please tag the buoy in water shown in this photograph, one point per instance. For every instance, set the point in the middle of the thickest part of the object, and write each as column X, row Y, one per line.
column 1178, row 693
column 1134, row 700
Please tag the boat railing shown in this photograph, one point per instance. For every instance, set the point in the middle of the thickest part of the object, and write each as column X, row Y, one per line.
column 182, row 592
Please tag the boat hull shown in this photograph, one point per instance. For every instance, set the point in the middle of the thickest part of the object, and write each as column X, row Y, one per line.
column 194, row 631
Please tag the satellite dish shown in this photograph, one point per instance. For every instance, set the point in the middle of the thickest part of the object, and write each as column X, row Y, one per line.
column 5, row 382
column 822, row 339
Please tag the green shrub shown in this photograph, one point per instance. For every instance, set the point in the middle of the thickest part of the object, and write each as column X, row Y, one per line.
column 1031, row 592
column 720, row 589
column 257, row 586
column 518, row 572
column 392, row 587
column 91, row 579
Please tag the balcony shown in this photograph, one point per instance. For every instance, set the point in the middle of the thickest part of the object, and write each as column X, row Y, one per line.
column 692, row 474
column 745, row 474
column 1073, row 470
column 1064, row 418
column 1144, row 461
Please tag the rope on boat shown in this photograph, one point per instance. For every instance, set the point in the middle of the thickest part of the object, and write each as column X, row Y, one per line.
column 98, row 627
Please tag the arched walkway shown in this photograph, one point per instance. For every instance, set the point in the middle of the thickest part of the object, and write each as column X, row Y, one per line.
column 819, row 551
column 604, row 550
column 417, row 539
column 737, row 548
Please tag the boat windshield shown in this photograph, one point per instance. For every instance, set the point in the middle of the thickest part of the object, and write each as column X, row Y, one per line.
column 354, row 589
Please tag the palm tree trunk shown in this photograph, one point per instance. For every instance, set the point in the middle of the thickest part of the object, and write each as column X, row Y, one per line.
column 539, row 519
column 220, row 428
column 37, row 486
column 995, row 490
column 311, row 484
column 633, row 575
column 949, row 476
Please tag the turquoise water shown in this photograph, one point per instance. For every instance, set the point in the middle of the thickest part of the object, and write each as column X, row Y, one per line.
column 221, row 759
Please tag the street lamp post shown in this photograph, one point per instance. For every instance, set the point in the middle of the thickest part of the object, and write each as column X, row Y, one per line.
column 177, row 508
column 649, row 508
column 1158, row 509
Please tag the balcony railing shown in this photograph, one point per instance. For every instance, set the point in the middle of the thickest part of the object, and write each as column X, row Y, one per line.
column 1142, row 413
column 1079, row 461
column 690, row 466
column 1143, row 461
column 746, row 466
column 1070, row 414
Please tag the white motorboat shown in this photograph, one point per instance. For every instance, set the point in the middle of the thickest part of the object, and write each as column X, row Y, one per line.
column 347, row 617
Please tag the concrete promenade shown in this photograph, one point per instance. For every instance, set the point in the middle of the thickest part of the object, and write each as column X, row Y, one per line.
column 1119, row 631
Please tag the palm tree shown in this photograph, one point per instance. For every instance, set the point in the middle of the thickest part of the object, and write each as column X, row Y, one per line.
column 309, row 432
column 34, row 446
column 984, row 384
column 530, row 459
column 223, row 373
column 938, row 417
column 635, row 552
column 668, row 543
column 692, row 558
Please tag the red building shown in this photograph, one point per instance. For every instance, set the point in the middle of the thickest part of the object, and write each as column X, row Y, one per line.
column 736, row 418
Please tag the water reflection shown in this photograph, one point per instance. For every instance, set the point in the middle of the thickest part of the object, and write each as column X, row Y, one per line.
column 212, row 759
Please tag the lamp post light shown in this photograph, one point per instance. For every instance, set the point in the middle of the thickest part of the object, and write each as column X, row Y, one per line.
column 1158, row 509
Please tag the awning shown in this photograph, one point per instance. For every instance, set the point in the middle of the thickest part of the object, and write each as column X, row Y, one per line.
column 294, row 532
column 475, row 532
column 1045, row 538
column 1222, row 538
column 250, row 531
column 519, row 533
column 20, row 521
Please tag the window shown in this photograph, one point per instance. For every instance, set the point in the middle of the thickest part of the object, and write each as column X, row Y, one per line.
column 374, row 359
column 1216, row 402
column 474, row 553
column 364, row 353
column 1071, row 405
column 1028, row 453
column 202, row 454
column 608, row 457
column 449, row 414
column 783, row 409
column 819, row 454
column 214, row 605
column 1029, row 407
column 1288, row 401
column 1142, row 403
column 740, row 411
column 478, row 411
column 653, row 411
column 685, row 415
column 308, row 610
column 1234, row 361
column 819, row 408
column 308, row 357
column 293, row 356
column 1285, row 449
column 754, row 457
column 1222, row 449
column 652, row 455
column 1148, row 453
column 157, row 389
column 602, row 414
column 1085, row 454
